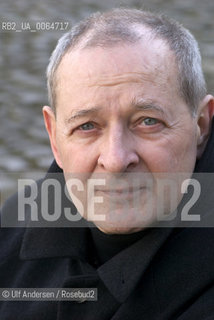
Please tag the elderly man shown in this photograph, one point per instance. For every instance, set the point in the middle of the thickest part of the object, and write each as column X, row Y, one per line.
column 128, row 103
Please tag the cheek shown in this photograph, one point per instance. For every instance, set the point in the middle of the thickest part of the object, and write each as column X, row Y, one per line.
column 170, row 155
column 157, row 160
column 77, row 159
column 184, row 150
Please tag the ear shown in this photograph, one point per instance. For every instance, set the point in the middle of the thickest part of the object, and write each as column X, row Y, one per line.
column 50, row 124
column 205, row 115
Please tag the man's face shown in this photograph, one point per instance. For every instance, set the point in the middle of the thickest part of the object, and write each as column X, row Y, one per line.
column 120, row 115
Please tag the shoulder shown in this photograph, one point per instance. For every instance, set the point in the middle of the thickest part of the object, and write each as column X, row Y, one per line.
column 12, row 228
column 10, row 236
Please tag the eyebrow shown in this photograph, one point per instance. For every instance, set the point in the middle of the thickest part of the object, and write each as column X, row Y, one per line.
column 139, row 104
column 76, row 114
column 144, row 105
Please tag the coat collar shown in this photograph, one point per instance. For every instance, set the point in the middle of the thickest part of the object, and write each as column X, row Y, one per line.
column 206, row 162
column 122, row 273
column 54, row 242
column 119, row 274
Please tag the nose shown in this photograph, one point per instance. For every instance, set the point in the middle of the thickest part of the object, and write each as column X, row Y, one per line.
column 117, row 153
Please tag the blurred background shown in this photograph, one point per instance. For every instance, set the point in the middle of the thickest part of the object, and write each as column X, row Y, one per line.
column 24, row 145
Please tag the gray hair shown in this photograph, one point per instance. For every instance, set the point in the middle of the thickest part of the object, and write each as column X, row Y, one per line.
column 122, row 25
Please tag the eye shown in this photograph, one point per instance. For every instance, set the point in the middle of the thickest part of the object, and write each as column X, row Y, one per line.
column 150, row 121
column 87, row 126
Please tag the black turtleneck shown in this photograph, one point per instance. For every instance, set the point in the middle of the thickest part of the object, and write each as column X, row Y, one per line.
column 108, row 245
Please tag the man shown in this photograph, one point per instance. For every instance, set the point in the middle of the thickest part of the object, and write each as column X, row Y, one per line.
column 128, row 108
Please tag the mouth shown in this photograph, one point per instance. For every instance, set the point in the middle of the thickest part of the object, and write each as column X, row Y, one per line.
column 114, row 192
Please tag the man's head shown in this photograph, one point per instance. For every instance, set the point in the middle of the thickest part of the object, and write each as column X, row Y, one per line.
column 128, row 98
column 127, row 26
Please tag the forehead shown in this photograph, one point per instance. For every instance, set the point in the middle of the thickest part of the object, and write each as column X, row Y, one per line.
column 145, row 63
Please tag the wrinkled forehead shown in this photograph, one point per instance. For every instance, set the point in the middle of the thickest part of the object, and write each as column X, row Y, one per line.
column 150, row 61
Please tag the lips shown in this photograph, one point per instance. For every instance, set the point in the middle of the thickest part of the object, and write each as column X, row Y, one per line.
column 119, row 191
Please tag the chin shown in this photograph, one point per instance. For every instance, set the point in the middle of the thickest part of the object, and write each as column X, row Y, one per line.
column 108, row 229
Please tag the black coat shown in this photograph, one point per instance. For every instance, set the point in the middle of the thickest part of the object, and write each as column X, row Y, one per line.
column 166, row 275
